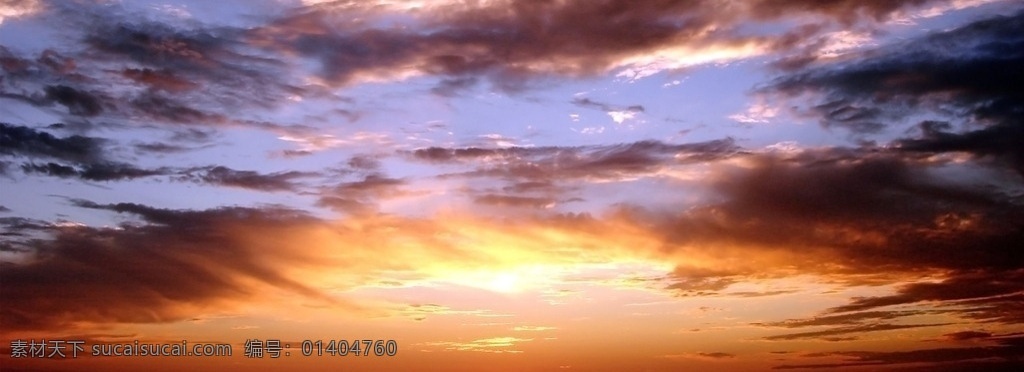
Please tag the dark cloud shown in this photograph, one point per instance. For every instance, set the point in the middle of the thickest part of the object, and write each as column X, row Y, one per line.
column 106, row 171
column 972, row 297
column 13, row 224
column 511, row 42
column 159, row 148
column 156, row 44
column 50, row 169
column 21, row 140
column 843, row 319
column 545, row 164
column 49, row 64
column 177, row 262
column 193, row 135
column 159, row 107
column 363, row 162
column 11, row 63
column 843, row 113
column 362, row 197
column 214, row 71
column 447, row 155
column 871, row 211
column 207, row 61
column 224, row 176
column 990, row 296
column 49, row 79
column 86, row 155
column 588, row 103
column 78, row 102
column 967, row 335
column 857, row 329
column 695, row 281
column 998, row 141
column 505, row 43
column 976, row 89
column 109, row 171
column 452, row 87
column 846, row 11
column 88, row 161
column 127, row 68
column 1005, row 356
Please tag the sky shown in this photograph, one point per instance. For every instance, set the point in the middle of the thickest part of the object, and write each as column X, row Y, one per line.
column 496, row 185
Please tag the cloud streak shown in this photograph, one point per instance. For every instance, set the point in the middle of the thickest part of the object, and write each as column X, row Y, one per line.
column 176, row 263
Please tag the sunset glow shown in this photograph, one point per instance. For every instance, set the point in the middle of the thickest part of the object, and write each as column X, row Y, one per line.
column 511, row 185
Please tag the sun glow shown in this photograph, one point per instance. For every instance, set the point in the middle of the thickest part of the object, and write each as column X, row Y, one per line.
column 505, row 282
column 511, row 280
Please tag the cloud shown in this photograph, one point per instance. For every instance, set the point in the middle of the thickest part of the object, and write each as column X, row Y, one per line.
column 533, row 328
column 617, row 113
column 870, row 210
column 702, row 356
column 160, row 148
column 362, row 197
column 513, row 201
column 159, row 107
column 990, row 295
column 164, row 80
column 364, row 162
column 689, row 281
column 13, row 224
column 89, row 161
column 756, row 113
column 1002, row 357
column 175, row 264
column 842, row 319
column 845, row 11
column 848, row 330
column 86, row 155
column 487, row 345
column 196, row 74
column 102, row 171
column 21, row 140
column 978, row 296
column 545, row 164
column 510, row 43
column 182, row 60
column 717, row 355
column 966, row 335
column 19, row 8
column 224, row 176
column 504, row 42
column 125, row 68
column 973, row 89
column 78, row 102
